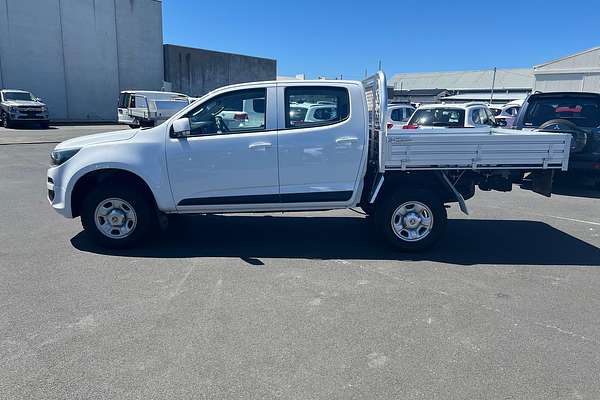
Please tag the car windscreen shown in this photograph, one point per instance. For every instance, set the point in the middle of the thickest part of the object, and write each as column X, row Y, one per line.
column 582, row 111
column 18, row 96
column 448, row 117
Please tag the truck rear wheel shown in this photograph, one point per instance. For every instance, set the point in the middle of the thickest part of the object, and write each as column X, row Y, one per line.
column 411, row 221
column 118, row 216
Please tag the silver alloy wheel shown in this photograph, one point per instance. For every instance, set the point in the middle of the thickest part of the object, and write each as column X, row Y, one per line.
column 412, row 221
column 115, row 218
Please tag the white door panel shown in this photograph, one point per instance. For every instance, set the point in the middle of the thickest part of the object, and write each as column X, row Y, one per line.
column 319, row 159
column 321, row 163
column 223, row 166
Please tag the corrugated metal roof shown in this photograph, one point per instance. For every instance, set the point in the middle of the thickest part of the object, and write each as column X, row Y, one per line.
column 520, row 78
column 585, row 61
column 486, row 96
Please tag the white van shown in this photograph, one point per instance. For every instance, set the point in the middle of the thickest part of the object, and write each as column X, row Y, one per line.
column 148, row 108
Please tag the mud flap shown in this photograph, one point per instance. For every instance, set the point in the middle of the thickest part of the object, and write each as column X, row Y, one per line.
column 459, row 197
column 541, row 182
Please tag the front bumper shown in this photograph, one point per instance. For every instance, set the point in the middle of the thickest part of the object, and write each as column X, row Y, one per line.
column 29, row 116
column 56, row 192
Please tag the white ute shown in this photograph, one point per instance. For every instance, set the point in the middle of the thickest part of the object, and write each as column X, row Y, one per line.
column 123, row 183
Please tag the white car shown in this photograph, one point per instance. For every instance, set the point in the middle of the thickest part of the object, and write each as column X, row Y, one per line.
column 508, row 113
column 496, row 109
column 125, row 183
column 306, row 112
column 398, row 115
column 467, row 115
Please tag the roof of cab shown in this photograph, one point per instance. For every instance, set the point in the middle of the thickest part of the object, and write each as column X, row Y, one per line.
column 14, row 90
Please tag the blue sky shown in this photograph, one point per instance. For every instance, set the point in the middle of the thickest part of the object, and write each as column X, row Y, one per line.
column 333, row 37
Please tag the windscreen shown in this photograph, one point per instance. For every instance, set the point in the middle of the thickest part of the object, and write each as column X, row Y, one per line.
column 448, row 117
column 170, row 104
column 24, row 96
column 582, row 111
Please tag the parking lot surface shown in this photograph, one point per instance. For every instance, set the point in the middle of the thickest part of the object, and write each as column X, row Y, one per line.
column 300, row 305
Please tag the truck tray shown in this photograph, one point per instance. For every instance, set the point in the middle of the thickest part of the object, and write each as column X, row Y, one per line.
column 491, row 148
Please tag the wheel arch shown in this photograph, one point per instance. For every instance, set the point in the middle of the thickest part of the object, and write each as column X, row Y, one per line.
column 424, row 180
column 113, row 175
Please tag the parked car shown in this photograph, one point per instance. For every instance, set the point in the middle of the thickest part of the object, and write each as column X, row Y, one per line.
column 302, row 112
column 149, row 108
column 122, row 183
column 508, row 113
column 467, row 115
column 22, row 106
column 575, row 113
column 398, row 115
column 496, row 109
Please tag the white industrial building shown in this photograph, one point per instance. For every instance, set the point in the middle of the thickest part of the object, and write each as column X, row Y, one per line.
column 77, row 55
column 578, row 72
column 575, row 73
column 461, row 86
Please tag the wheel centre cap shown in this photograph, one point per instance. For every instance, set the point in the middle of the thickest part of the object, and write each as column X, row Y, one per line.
column 412, row 220
column 116, row 217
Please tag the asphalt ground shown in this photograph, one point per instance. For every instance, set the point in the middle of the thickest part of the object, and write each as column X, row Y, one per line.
column 299, row 305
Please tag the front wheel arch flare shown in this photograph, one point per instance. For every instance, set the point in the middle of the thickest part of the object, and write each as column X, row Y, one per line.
column 115, row 176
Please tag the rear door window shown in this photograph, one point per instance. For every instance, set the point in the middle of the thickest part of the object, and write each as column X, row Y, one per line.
column 308, row 106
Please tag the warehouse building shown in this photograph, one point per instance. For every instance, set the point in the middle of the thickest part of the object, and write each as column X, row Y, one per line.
column 462, row 86
column 77, row 55
column 575, row 73
column 578, row 72
column 196, row 71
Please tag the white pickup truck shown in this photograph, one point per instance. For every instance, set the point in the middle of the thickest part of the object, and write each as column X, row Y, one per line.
column 123, row 184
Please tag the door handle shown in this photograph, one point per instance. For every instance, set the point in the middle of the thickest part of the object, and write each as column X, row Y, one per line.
column 346, row 139
column 260, row 146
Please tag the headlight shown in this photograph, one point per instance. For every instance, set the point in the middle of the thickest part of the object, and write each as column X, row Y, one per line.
column 58, row 157
column 44, row 108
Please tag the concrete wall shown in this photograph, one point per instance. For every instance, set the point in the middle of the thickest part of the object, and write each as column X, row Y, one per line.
column 78, row 54
column 197, row 71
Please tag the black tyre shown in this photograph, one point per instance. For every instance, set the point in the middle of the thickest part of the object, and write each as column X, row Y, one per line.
column 411, row 221
column 6, row 122
column 133, row 126
column 118, row 216
column 580, row 138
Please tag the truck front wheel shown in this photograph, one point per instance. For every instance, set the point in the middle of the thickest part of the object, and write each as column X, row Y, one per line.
column 412, row 221
column 118, row 216
column 6, row 122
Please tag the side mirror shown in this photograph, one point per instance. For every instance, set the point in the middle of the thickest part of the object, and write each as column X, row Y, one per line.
column 38, row 99
column 181, row 128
